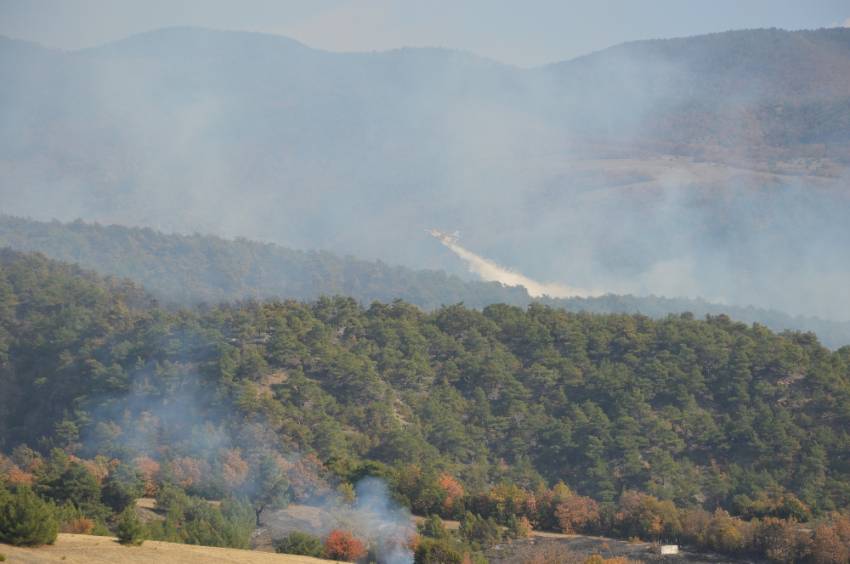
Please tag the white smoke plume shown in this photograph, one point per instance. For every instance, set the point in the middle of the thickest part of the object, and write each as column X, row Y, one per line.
column 386, row 524
column 374, row 517
column 490, row 271
column 142, row 423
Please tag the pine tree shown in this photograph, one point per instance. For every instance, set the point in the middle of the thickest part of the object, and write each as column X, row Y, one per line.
column 26, row 520
column 130, row 529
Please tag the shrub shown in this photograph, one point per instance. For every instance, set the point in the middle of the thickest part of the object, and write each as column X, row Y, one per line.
column 297, row 542
column 193, row 520
column 122, row 487
column 437, row 551
column 17, row 476
column 187, row 472
column 519, row 527
column 73, row 520
column 780, row 540
column 238, row 523
column 78, row 526
column 433, row 527
column 101, row 530
column 695, row 523
column 347, row 494
column 578, row 514
column 771, row 504
column 73, row 482
column 26, row 520
column 341, row 545
column 452, row 491
column 130, row 530
column 149, row 470
column 724, row 533
column 831, row 541
column 646, row 517
column 480, row 532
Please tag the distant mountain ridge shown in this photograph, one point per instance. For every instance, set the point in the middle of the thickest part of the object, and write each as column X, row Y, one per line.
column 193, row 269
column 786, row 88
column 709, row 165
column 788, row 63
column 748, row 68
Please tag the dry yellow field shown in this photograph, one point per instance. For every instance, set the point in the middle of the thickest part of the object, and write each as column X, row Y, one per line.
column 87, row 549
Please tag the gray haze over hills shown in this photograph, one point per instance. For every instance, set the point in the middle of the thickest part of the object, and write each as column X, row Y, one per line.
column 191, row 270
column 711, row 166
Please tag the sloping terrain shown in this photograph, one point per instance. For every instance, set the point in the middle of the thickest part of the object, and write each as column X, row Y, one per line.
column 189, row 270
column 747, row 93
column 605, row 403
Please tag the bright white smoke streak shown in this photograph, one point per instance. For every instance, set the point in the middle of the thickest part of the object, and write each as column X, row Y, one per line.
column 490, row 271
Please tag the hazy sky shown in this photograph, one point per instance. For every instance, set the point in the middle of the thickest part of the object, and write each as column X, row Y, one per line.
column 521, row 32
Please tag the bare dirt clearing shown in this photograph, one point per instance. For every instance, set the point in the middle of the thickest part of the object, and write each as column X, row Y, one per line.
column 556, row 544
column 87, row 549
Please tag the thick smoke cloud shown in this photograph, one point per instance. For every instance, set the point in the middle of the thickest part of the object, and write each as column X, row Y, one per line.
column 680, row 168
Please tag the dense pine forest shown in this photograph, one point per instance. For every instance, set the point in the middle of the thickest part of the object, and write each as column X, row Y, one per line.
column 618, row 424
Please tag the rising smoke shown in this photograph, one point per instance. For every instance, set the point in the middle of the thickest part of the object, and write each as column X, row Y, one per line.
column 191, row 420
column 490, row 271
column 387, row 527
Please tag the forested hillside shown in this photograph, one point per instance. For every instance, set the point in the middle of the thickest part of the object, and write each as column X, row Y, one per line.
column 188, row 270
column 699, row 411
column 194, row 269
column 463, row 412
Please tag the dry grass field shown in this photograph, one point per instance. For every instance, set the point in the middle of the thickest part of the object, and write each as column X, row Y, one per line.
column 87, row 549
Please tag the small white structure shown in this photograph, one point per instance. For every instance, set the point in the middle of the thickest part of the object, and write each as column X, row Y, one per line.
column 666, row 549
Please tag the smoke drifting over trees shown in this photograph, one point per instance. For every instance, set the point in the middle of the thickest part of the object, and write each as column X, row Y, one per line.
column 462, row 412
column 197, row 269
column 528, row 378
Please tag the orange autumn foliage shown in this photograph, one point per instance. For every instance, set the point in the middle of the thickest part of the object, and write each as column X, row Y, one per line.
column 234, row 469
column 305, row 476
column 99, row 467
column 149, row 468
column 17, row 477
column 452, row 488
column 78, row 526
column 577, row 514
column 342, row 545
column 188, row 471
column 831, row 545
column 414, row 542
